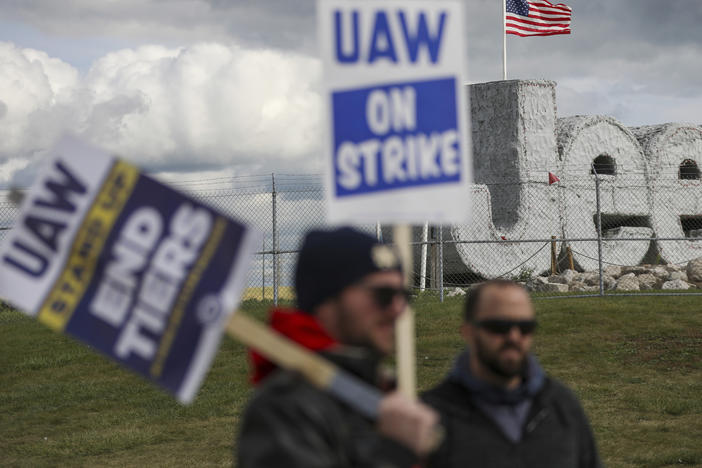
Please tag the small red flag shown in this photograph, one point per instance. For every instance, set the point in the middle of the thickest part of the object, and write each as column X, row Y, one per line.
column 552, row 179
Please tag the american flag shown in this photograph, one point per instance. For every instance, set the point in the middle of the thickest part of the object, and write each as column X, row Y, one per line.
column 537, row 18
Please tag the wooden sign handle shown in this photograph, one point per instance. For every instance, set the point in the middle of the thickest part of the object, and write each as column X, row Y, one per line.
column 317, row 370
column 404, row 327
column 280, row 350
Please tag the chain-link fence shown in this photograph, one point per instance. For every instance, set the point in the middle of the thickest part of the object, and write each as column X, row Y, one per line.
column 8, row 212
column 283, row 207
column 588, row 235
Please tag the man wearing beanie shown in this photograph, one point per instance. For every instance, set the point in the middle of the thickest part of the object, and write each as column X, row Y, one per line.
column 350, row 291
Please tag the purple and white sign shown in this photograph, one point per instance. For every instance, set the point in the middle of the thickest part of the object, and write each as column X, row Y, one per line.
column 142, row 273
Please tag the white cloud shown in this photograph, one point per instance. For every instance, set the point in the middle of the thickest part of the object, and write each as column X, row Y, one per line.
column 204, row 106
column 35, row 94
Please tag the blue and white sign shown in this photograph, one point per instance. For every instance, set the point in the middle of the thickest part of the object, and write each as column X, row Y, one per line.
column 142, row 273
column 397, row 149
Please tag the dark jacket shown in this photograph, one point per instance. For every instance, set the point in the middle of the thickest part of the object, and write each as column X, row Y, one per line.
column 556, row 432
column 292, row 424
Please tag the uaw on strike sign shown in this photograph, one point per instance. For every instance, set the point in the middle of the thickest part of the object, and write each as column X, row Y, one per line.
column 142, row 273
column 397, row 147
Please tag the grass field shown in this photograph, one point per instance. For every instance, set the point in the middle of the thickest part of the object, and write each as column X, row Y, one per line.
column 636, row 363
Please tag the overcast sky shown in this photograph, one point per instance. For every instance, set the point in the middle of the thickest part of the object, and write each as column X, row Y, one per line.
column 232, row 86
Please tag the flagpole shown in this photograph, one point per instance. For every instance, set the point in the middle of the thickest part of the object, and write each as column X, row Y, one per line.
column 504, row 39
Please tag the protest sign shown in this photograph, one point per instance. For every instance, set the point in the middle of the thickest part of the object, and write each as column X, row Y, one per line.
column 142, row 273
column 397, row 147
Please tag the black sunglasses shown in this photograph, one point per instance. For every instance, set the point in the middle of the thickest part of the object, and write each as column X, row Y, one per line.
column 384, row 295
column 503, row 327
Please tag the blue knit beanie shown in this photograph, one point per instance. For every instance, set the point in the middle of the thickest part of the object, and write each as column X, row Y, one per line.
column 329, row 261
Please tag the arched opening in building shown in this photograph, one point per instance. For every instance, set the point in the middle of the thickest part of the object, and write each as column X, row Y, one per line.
column 604, row 165
column 689, row 170
column 691, row 226
column 612, row 223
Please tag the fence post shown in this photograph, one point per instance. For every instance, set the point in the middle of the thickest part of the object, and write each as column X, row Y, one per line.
column 263, row 269
column 441, row 263
column 423, row 262
column 554, row 259
column 276, row 266
column 433, row 259
column 599, row 229
column 571, row 263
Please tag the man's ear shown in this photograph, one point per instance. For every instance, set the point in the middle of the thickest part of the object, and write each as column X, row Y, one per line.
column 467, row 330
column 328, row 314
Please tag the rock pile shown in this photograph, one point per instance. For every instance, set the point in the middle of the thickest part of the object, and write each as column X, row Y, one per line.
column 635, row 278
column 614, row 278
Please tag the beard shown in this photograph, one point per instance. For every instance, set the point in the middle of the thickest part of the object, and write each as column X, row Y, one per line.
column 502, row 367
column 353, row 334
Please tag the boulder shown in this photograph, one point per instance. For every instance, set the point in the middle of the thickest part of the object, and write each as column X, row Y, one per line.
column 627, row 282
column 676, row 284
column 614, row 271
column 579, row 286
column 660, row 272
column 556, row 279
column 673, row 267
column 568, row 276
column 609, row 282
column 593, row 279
column 456, row 292
column 565, row 277
column 649, row 281
column 534, row 283
column 694, row 270
column 590, row 278
column 677, row 275
column 636, row 270
column 552, row 287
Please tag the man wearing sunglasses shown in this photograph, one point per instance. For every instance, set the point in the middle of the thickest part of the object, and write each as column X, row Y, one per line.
column 497, row 405
column 350, row 291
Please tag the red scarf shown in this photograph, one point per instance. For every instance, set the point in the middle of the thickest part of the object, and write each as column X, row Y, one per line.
column 300, row 327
